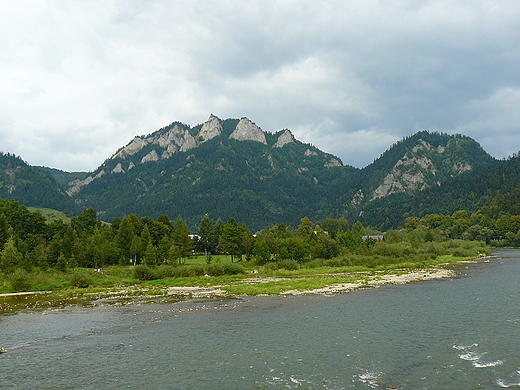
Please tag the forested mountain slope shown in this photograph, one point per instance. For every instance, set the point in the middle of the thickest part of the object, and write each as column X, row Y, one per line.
column 494, row 187
column 422, row 174
column 228, row 168
column 232, row 168
column 29, row 185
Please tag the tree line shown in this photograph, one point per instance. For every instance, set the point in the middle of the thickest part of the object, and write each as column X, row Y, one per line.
column 28, row 240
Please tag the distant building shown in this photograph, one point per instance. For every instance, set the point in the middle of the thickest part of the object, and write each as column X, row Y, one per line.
column 376, row 237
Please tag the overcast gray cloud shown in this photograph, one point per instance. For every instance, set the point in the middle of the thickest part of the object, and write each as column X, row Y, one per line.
column 79, row 79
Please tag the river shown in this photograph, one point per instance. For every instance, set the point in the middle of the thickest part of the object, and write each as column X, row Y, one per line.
column 457, row 333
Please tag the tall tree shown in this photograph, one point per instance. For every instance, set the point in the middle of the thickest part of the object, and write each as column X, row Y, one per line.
column 205, row 233
column 9, row 257
column 150, row 255
column 181, row 237
column 86, row 222
column 305, row 228
column 231, row 239
column 123, row 239
column 4, row 230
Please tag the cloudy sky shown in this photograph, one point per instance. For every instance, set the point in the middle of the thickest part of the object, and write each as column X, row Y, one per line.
column 79, row 79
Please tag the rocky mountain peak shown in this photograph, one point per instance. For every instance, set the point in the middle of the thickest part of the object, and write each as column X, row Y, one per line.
column 423, row 166
column 283, row 139
column 248, row 131
column 210, row 129
column 175, row 139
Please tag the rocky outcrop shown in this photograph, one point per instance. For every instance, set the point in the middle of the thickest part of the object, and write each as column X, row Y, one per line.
column 460, row 167
column 408, row 174
column 175, row 139
column 210, row 129
column 333, row 162
column 118, row 169
column 358, row 198
column 283, row 139
column 76, row 185
column 152, row 156
column 248, row 131
column 132, row 148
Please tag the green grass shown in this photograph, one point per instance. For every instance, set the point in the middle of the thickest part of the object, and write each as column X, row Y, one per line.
column 50, row 214
column 201, row 259
column 278, row 287
column 304, row 278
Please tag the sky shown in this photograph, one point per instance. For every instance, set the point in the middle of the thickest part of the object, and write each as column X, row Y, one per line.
column 80, row 79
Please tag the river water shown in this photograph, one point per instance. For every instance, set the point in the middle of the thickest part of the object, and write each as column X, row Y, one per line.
column 460, row 333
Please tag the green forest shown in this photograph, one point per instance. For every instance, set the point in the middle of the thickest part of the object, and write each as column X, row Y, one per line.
column 38, row 255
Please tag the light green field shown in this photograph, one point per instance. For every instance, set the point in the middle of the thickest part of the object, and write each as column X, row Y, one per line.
column 50, row 214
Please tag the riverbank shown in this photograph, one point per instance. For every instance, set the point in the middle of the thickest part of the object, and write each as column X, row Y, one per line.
column 256, row 285
column 303, row 281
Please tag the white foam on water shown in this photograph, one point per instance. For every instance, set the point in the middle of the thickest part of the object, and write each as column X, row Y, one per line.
column 296, row 382
column 370, row 378
column 514, row 381
column 505, row 384
column 475, row 357
column 470, row 356
column 463, row 347
column 479, row 364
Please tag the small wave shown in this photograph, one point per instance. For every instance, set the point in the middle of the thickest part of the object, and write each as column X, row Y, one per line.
column 505, row 384
column 475, row 357
column 295, row 382
column 470, row 356
column 512, row 381
column 370, row 378
column 464, row 347
column 479, row 364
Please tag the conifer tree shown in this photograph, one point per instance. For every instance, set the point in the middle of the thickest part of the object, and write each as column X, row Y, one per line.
column 181, row 237
column 205, row 233
column 10, row 257
column 123, row 239
column 150, row 255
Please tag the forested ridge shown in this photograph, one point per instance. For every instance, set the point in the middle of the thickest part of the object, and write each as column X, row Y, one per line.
column 159, row 248
column 31, row 186
column 262, row 184
column 180, row 170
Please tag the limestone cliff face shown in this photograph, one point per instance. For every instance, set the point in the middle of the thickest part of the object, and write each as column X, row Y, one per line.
column 210, row 129
column 176, row 139
column 408, row 174
column 164, row 143
column 248, row 131
column 420, row 168
column 283, row 139
column 75, row 186
column 333, row 162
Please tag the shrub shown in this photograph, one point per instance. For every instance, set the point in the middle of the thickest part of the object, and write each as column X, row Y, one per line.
column 143, row 272
column 271, row 265
column 214, row 269
column 233, row 269
column 316, row 263
column 288, row 264
column 166, row 271
column 392, row 250
column 20, row 281
column 187, row 271
column 81, row 279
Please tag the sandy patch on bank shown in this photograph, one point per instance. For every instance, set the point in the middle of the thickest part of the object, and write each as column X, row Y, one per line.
column 370, row 280
column 378, row 280
column 24, row 293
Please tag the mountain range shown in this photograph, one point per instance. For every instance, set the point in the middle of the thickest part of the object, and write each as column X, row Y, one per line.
column 232, row 168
